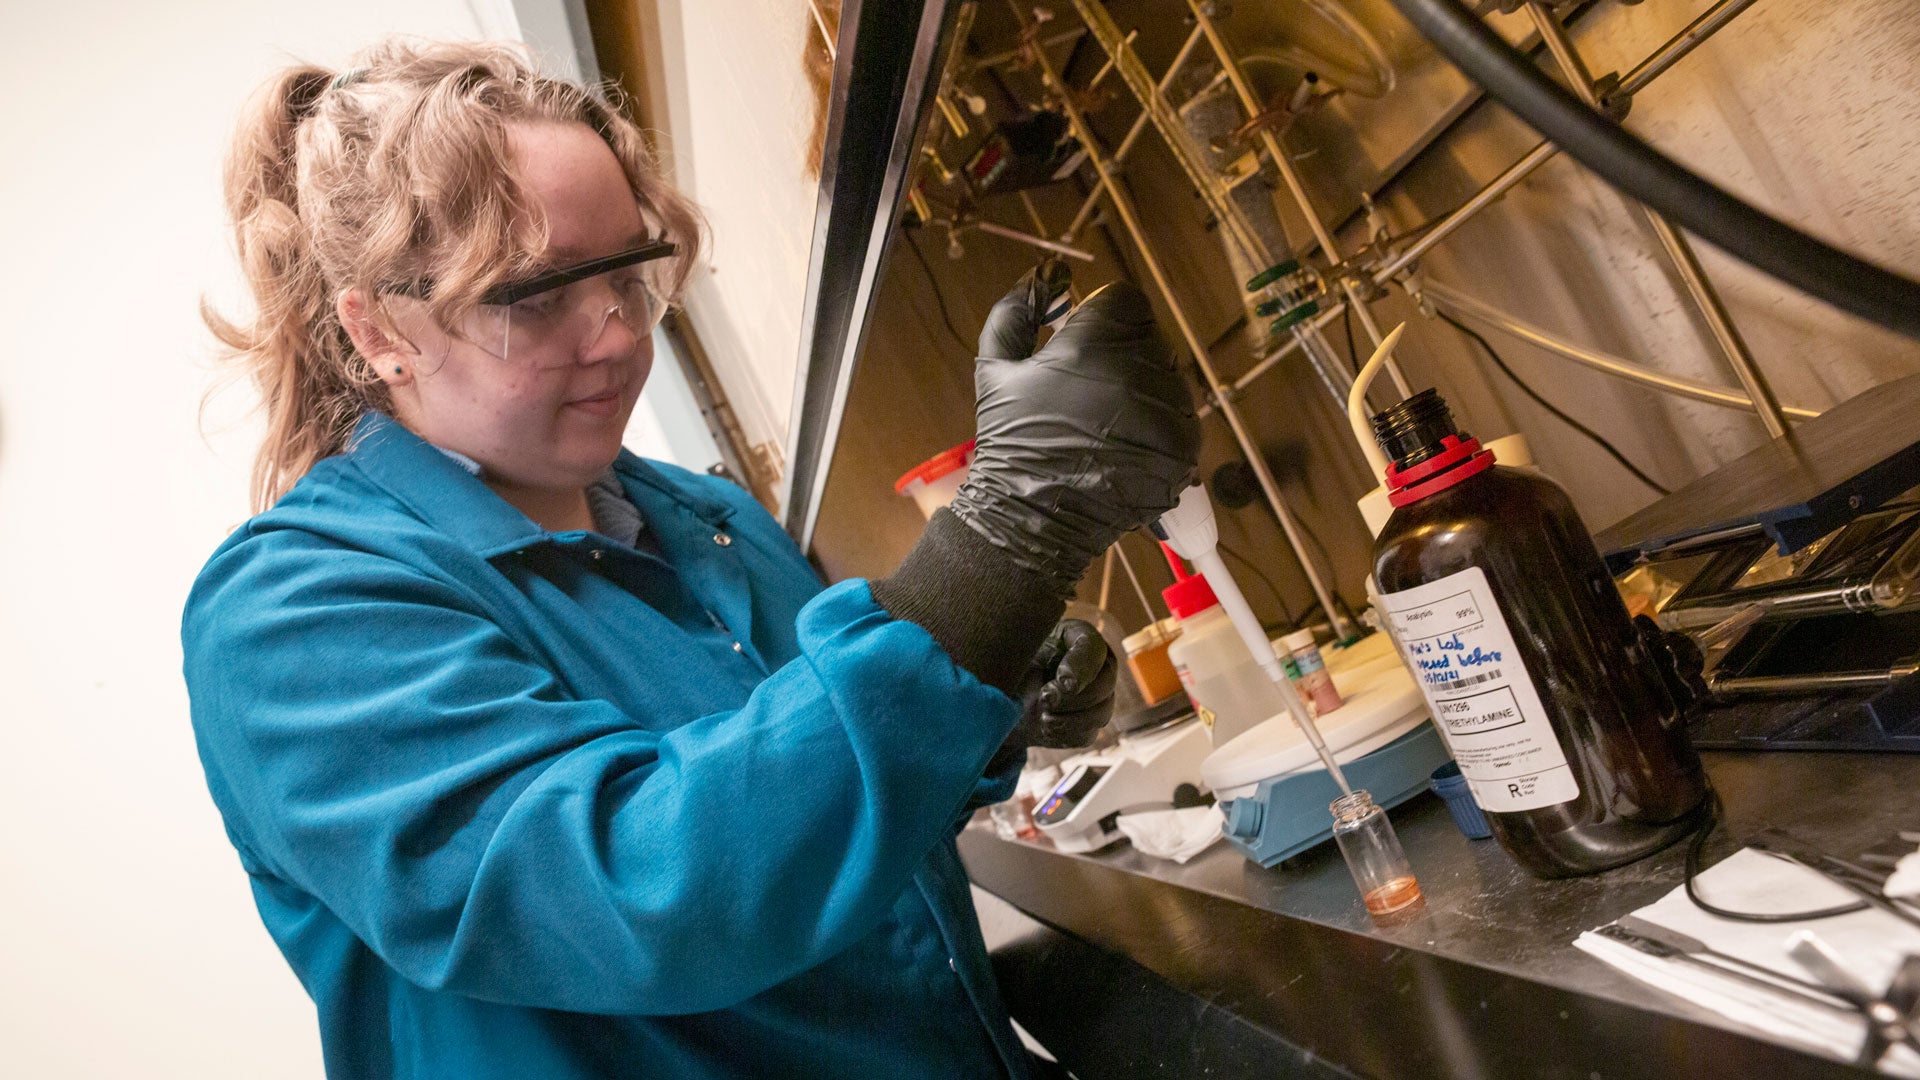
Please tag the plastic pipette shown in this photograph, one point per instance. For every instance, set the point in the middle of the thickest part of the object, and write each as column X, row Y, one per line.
column 1366, row 838
column 1190, row 530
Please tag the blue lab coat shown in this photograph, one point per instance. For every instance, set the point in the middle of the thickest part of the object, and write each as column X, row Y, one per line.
column 527, row 804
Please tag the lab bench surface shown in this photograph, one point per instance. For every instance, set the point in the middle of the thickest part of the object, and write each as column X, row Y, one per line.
column 1221, row 968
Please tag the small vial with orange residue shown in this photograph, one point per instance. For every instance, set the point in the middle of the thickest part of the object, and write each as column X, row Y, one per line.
column 1373, row 854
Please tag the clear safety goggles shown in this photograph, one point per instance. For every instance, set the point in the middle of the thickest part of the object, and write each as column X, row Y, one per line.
column 547, row 320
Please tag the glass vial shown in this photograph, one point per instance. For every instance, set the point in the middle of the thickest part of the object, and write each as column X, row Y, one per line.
column 1373, row 854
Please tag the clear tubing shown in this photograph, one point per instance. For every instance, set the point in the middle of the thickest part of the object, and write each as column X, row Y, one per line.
column 1373, row 853
column 1462, row 304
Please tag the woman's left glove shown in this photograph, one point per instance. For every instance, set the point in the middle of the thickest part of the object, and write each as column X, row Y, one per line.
column 1068, row 695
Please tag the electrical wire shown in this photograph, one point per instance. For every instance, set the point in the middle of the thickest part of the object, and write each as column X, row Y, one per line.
column 1612, row 450
column 1305, row 529
column 940, row 298
column 1228, row 332
column 1353, row 349
column 1697, row 849
column 1285, row 611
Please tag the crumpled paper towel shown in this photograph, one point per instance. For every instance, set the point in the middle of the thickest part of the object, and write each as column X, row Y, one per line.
column 1173, row 834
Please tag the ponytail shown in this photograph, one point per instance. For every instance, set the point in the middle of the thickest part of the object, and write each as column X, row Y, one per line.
column 309, row 378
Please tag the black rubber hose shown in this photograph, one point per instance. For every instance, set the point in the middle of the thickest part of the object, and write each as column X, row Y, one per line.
column 1643, row 173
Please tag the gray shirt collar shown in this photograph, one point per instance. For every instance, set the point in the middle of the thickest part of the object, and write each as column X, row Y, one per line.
column 614, row 515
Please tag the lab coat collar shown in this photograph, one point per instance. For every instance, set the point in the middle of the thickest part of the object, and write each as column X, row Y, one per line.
column 633, row 469
column 446, row 496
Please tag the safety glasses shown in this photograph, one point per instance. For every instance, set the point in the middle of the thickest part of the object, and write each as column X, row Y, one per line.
column 547, row 320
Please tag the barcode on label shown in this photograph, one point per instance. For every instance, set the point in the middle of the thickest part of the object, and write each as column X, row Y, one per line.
column 1471, row 680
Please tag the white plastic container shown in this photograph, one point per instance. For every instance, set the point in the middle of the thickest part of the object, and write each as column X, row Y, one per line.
column 1229, row 690
column 1382, row 704
column 933, row 482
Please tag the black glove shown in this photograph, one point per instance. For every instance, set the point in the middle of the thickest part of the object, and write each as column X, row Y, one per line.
column 1069, row 692
column 1081, row 442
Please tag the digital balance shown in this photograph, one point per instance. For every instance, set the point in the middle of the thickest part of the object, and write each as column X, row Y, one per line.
column 1154, row 766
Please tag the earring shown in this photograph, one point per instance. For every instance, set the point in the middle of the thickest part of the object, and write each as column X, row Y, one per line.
column 397, row 370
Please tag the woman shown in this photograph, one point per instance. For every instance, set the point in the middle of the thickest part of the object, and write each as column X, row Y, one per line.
column 547, row 761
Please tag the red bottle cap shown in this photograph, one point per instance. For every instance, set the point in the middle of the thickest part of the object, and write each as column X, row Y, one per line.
column 1461, row 459
column 1189, row 595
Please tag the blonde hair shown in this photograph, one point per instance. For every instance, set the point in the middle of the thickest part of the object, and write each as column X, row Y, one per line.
column 397, row 170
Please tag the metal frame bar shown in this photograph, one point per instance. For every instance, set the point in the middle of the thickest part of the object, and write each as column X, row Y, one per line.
column 1173, row 133
column 1679, row 251
column 860, row 191
column 1042, row 243
column 1484, row 198
column 1698, row 31
column 885, row 70
column 1317, row 323
column 1007, row 56
column 1656, row 64
column 1133, row 73
column 1166, row 119
column 1133, row 134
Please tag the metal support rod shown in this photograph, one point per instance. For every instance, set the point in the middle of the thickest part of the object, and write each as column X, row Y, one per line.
column 1281, row 351
column 1461, row 304
column 1033, row 213
column 1254, row 107
column 1127, row 565
column 951, row 113
column 1107, row 68
column 1554, row 36
column 1028, row 238
column 1705, row 299
column 1639, row 79
column 1233, row 224
column 1725, row 333
column 949, row 75
column 1233, row 221
column 1760, row 685
column 1133, row 133
column 1702, row 28
column 1649, row 69
column 1007, row 56
column 1130, row 220
column 1446, row 226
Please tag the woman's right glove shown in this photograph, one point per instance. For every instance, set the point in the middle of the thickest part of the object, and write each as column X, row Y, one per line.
column 1090, row 437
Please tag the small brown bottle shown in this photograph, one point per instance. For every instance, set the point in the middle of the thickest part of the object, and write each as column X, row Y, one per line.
column 1545, row 692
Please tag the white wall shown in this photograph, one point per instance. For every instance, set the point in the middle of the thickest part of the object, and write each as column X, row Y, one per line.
column 737, row 113
column 129, row 946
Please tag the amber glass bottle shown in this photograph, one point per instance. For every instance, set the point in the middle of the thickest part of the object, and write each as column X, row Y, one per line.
column 1543, row 688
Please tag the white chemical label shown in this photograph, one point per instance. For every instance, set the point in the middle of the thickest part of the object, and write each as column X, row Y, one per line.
column 1481, row 695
